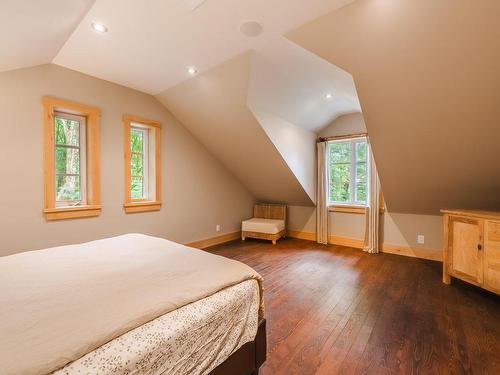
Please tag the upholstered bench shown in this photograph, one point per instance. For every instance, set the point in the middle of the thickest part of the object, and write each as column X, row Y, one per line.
column 268, row 223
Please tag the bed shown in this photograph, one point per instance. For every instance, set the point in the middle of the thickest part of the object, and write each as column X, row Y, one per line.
column 132, row 304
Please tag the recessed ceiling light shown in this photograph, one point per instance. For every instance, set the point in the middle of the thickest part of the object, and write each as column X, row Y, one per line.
column 329, row 96
column 99, row 27
column 192, row 70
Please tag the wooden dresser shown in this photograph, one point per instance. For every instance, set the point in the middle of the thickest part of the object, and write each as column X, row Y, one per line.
column 472, row 247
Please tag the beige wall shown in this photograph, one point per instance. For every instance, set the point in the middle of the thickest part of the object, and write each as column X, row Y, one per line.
column 339, row 224
column 301, row 218
column 402, row 230
column 427, row 74
column 198, row 192
column 214, row 107
column 398, row 229
column 343, row 125
column 296, row 145
column 347, row 225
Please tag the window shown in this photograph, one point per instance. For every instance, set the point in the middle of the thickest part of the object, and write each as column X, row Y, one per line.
column 70, row 165
column 139, row 162
column 71, row 157
column 348, row 172
column 142, row 164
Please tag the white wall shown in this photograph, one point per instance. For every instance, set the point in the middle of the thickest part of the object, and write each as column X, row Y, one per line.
column 198, row 192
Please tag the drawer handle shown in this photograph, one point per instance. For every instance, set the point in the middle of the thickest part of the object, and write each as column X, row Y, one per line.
column 479, row 247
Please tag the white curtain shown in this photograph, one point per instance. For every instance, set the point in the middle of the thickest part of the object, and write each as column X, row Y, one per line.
column 372, row 234
column 321, row 202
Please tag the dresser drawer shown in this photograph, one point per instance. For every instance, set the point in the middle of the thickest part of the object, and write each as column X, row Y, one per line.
column 492, row 266
column 493, row 232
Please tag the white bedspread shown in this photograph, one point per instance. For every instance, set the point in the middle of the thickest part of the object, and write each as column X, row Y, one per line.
column 191, row 340
column 58, row 304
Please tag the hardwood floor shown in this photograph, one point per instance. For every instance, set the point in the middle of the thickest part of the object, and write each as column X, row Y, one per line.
column 336, row 310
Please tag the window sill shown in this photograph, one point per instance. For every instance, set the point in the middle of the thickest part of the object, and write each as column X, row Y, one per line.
column 142, row 206
column 351, row 209
column 63, row 213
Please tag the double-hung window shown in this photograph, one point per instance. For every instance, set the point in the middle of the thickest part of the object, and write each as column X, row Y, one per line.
column 347, row 168
column 139, row 162
column 142, row 164
column 71, row 159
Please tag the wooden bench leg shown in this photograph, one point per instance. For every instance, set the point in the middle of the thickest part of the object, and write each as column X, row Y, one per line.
column 243, row 238
column 274, row 242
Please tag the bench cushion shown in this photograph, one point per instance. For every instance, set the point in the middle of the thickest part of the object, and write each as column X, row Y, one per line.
column 268, row 226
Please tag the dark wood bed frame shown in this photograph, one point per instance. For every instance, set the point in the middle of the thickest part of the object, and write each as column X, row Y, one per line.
column 247, row 359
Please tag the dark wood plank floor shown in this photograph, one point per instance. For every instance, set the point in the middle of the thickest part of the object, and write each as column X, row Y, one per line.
column 336, row 310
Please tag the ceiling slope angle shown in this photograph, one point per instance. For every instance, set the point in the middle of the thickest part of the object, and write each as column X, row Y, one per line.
column 213, row 106
column 32, row 32
column 427, row 74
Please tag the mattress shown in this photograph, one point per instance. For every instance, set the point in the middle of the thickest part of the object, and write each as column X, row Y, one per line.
column 193, row 339
column 268, row 226
column 59, row 304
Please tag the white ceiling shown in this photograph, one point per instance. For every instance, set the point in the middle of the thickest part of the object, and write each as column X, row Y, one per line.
column 32, row 32
column 292, row 83
column 150, row 43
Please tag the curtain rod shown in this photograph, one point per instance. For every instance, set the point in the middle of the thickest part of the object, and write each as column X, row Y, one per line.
column 354, row 135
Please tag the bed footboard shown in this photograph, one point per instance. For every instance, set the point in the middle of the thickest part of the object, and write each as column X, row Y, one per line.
column 248, row 359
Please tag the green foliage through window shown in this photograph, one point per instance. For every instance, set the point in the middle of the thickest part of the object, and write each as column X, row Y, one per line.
column 347, row 171
column 67, row 160
column 137, row 162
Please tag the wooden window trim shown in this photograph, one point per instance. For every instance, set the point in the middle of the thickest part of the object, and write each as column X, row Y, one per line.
column 141, row 205
column 92, row 115
column 352, row 209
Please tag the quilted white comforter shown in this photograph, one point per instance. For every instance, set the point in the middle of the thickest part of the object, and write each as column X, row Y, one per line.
column 58, row 304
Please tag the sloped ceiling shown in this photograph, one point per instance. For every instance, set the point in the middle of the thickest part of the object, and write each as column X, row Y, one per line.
column 291, row 82
column 214, row 107
column 296, row 145
column 428, row 77
column 149, row 44
column 33, row 32
column 258, row 113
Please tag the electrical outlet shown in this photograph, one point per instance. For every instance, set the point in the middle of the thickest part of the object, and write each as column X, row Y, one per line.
column 217, row 228
column 420, row 239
